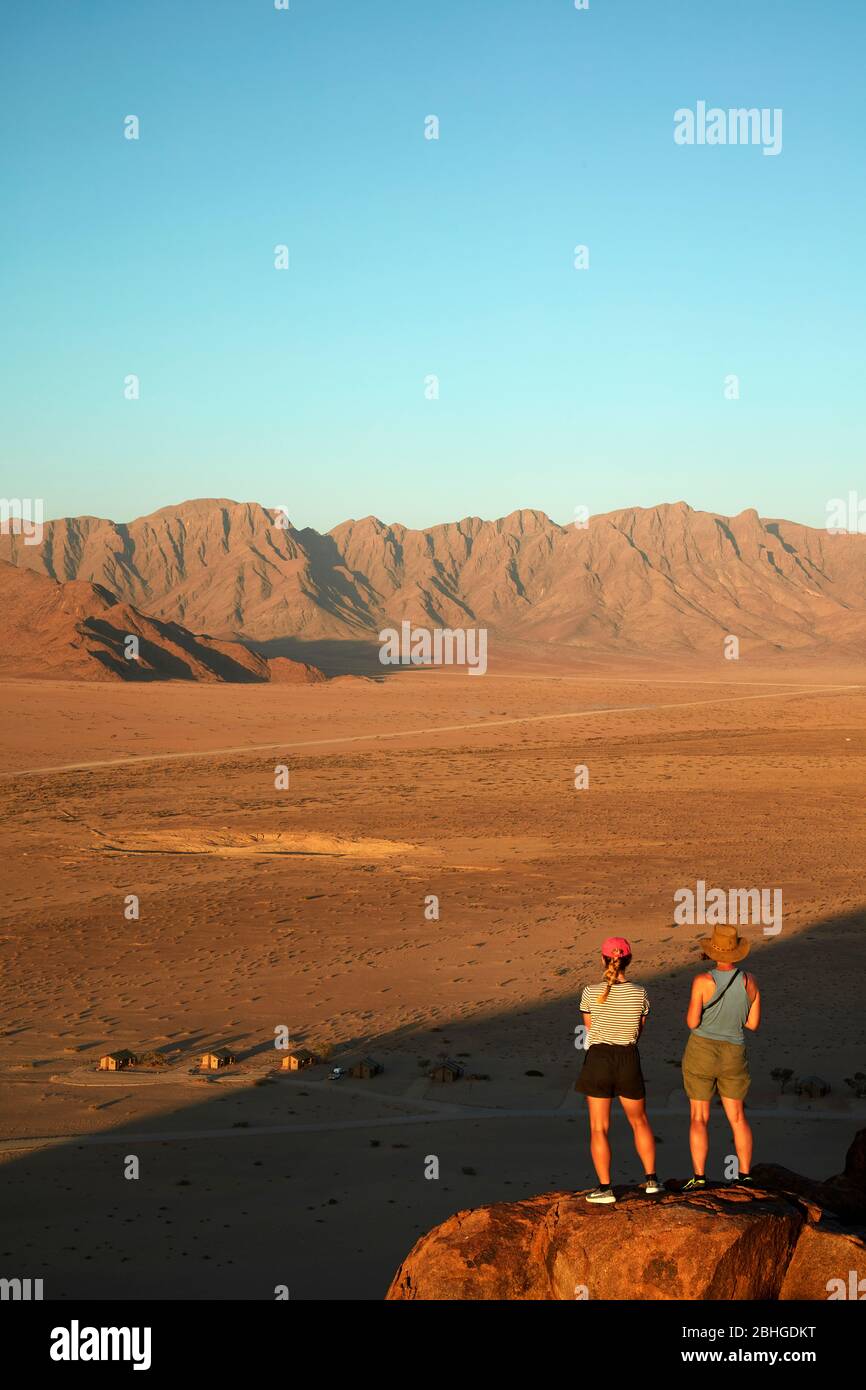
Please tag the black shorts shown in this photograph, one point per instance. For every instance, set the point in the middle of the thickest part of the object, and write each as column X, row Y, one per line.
column 612, row 1069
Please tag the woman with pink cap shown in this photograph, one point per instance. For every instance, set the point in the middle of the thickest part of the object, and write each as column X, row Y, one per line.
column 614, row 1013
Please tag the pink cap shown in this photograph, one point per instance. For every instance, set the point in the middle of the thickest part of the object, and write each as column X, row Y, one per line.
column 615, row 946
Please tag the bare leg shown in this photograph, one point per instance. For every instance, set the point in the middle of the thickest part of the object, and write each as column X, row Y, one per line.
column 599, row 1124
column 699, row 1139
column 741, row 1130
column 641, row 1129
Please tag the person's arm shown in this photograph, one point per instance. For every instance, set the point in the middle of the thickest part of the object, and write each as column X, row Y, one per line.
column 585, row 998
column 644, row 1016
column 697, row 1000
column 753, row 1018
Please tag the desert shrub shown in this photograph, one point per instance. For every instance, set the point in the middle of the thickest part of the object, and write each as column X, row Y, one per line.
column 152, row 1059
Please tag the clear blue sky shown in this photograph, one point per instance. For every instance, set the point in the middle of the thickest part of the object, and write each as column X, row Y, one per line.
column 409, row 257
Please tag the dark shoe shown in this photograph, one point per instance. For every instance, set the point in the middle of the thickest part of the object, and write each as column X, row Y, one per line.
column 651, row 1185
column 695, row 1184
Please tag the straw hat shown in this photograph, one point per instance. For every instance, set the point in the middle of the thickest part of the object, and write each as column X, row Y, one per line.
column 725, row 944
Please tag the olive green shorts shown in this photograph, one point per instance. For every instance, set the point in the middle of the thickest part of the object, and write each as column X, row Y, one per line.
column 709, row 1066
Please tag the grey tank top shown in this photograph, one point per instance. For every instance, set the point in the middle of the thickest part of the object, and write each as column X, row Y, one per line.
column 723, row 1022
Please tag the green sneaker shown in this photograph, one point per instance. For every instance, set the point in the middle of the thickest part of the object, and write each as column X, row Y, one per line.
column 695, row 1184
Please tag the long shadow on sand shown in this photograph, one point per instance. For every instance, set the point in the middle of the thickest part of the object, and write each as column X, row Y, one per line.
column 231, row 1202
column 334, row 656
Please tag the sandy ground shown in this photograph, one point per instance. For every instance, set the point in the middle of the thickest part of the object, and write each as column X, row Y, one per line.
column 305, row 907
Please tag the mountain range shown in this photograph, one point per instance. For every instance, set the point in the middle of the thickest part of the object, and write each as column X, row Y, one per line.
column 664, row 579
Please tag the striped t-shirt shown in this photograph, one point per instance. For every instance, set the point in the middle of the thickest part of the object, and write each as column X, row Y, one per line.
column 617, row 1020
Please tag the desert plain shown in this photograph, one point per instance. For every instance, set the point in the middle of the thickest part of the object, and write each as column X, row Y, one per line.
column 310, row 909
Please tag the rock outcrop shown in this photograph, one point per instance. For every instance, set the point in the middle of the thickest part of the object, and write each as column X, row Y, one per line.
column 844, row 1194
column 730, row 1242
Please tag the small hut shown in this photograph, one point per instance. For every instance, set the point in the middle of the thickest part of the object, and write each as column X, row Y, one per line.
column 297, row 1061
column 812, row 1086
column 367, row 1067
column 446, row 1070
column 220, row 1057
column 117, row 1061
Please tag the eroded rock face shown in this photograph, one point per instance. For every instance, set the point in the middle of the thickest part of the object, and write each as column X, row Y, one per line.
column 80, row 631
column 822, row 1263
column 649, row 579
column 782, row 1240
column 843, row 1195
column 855, row 1162
column 734, row 1243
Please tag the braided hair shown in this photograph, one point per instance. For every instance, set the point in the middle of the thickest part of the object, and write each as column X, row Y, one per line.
column 612, row 966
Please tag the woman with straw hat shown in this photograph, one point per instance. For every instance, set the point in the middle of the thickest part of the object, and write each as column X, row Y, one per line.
column 724, row 1002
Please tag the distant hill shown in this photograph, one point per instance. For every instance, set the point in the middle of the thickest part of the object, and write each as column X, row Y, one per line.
column 665, row 579
column 79, row 630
